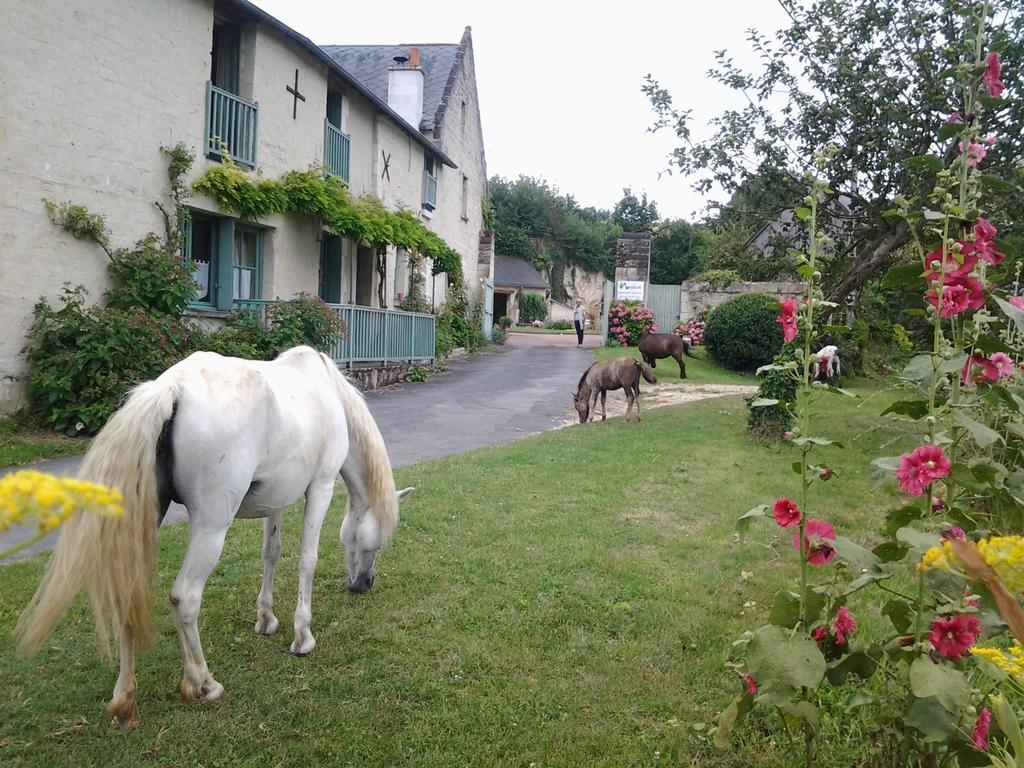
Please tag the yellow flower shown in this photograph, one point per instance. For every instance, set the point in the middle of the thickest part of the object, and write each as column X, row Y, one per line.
column 34, row 497
column 1010, row 661
column 1004, row 553
column 940, row 557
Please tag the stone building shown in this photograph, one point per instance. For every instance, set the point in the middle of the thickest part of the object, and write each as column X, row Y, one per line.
column 93, row 90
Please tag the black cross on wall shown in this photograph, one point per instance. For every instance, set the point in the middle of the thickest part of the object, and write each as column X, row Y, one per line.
column 386, row 173
column 295, row 94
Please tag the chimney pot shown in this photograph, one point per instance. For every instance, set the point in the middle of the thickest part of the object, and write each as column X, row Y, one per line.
column 414, row 57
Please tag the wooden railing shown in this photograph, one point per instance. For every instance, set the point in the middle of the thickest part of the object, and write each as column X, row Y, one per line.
column 231, row 126
column 337, row 147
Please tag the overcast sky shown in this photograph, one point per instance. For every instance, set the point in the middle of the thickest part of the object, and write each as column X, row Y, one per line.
column 560, row 82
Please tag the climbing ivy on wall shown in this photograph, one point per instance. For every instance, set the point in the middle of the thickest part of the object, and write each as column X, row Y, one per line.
column 310, row 193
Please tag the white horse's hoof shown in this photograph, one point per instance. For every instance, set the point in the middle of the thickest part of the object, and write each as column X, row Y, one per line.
column 266, row 624
column 209, row 692
column 303, row 646
column 212, row 691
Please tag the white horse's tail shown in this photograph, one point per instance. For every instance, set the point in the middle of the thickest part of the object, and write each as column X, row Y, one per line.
column 364, row 436
column 112, row 558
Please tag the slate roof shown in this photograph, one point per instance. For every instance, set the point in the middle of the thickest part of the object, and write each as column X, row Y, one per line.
column 381, row 104
column 511, row 271
column 369, row 64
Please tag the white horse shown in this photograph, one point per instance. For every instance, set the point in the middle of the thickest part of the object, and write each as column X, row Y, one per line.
column 227, row 438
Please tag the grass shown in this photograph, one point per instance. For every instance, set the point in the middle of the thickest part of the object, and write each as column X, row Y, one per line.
column 20, row 444
column 566, row 600
column 700, row 369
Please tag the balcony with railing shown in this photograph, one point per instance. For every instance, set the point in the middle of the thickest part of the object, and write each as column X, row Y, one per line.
column 429, row 190
column 231, row 126
column 337, row 147
column 373, row 335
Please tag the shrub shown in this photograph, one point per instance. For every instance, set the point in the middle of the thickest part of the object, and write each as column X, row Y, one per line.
column 693, row 328
column 505, row 322
column 717, row 278
column 499, row 335
column 531, row 307
column 560, row 325
column 147, row 278
column 417, row 374
column 628, row 321
column 742, row 333
column 612, row 342
column 303, row 320
column 770, row 422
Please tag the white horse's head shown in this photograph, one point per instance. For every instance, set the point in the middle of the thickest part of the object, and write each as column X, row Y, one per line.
column 362, row 538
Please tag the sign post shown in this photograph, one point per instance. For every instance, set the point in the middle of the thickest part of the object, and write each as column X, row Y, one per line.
column 632, row 266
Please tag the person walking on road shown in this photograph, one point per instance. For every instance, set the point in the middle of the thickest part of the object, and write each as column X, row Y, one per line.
column 579, row 317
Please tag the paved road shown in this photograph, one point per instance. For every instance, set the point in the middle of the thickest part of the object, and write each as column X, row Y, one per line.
column 489, row 399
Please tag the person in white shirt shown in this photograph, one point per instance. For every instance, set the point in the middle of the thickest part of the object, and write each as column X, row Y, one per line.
column 579, row 318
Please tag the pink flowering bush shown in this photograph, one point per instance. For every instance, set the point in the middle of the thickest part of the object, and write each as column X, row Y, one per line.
column 693, row 328
column 963, row 480
column 628, row 321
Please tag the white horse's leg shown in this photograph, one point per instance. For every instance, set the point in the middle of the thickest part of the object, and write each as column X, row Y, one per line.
column 122, row 705
column 318, row 498
column 266, row 621
column 204, row 548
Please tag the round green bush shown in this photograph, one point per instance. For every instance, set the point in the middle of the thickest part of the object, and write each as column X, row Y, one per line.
column 742, row 333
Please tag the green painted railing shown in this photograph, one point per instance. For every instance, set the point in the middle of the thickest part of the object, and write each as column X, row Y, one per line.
column 231, row 125
column 337, row 146
column 429, row 191
column 373, row 335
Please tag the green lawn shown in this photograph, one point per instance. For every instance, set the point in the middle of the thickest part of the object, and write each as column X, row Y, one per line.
column 20, row 444
column 567, row 600
column 701, row 370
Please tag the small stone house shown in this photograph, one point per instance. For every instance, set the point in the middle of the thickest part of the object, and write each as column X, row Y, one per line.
column 93, row 89
column 512, row 278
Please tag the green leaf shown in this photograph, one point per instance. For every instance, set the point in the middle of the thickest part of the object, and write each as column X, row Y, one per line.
column 927, row 717
column 943, row 682
column 1012, row 312
column 856, row 555
column 927, row 163
column 949, row 130
column 899, row 613
column 840, row 391
column 786, row 609
column 990, row 344
column 823, row 441
column 904, row 274
column 800, row 712
column 915, row 409
column 763, row 402
column 857, row 663
column 728, row 719
column 747, row 517
column 983, row 436
column 797, row 467
column 1008, row 723
column 780, row 662
column 802, row 213
column 994, row 103
column 806, row 271
column 918, row 541
column 919, row 369
column 890, row 552
column 955, row 364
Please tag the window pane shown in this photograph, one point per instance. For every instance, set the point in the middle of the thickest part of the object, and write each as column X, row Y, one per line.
column 203, row 256
column 245, row 248
column 244, row 283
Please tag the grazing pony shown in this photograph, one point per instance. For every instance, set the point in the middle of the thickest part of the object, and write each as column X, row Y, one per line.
column 828, row 362
column 654, row 346
column 229, row 439
column 621, row 373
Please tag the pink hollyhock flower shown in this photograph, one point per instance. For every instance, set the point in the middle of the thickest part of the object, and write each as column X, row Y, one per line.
column 959, row 295
column 990, row 140
column 786, row 513
column 952, row 268
column 980, row 733
column 819, row 634
column 817, row 544
column 1003, row 364
column 953, row 636
column 751, row 685
column 826, row 473
column 787, row 318
column 991, row 77
column 974, row 154
column 954, row 532
column 956, row 117
column 984, row 241
column 1017, row 301
column 919, row 468
column 980, row 368
column 844, row 626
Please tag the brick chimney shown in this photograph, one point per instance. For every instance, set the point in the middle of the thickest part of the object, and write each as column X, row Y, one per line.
column 405, row 87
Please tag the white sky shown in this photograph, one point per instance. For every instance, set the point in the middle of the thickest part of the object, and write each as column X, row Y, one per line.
column 559, row 82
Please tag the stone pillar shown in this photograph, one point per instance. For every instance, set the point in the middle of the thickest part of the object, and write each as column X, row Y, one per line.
column 633, row 266
column 485, row 256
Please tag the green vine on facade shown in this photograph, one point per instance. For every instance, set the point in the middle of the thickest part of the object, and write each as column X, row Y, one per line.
column 311, row 193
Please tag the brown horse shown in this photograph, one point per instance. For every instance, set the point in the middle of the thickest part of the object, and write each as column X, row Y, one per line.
column 654, row 346
column 621, row 373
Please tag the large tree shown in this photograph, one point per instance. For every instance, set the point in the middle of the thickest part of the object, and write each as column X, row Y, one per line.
column 635, row 214
column 876, row 79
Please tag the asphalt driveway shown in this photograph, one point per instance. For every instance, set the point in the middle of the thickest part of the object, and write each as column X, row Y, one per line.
column 515, row 391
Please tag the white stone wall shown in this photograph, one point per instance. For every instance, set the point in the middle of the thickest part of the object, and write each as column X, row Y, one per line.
column 589, row 286
column 90, row 91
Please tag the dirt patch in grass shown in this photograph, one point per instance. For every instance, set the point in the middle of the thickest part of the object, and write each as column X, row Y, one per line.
column 661, row 395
